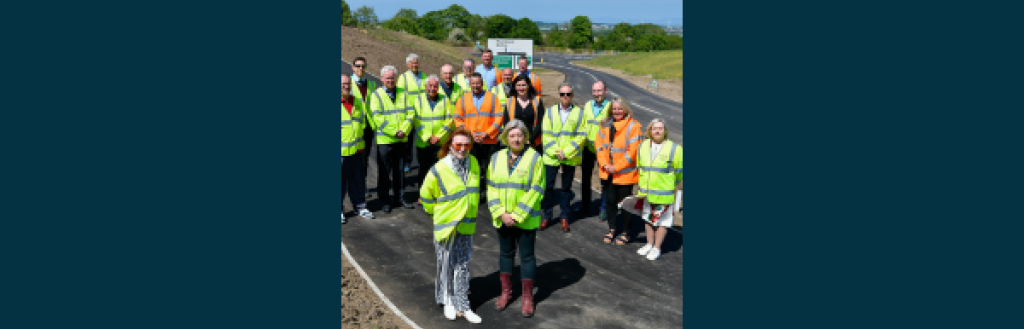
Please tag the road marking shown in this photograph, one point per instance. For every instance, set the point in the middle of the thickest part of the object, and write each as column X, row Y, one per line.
column 377, row 290
column 634, row 104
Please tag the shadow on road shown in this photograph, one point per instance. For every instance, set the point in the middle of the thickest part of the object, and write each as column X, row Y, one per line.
column 551, row 276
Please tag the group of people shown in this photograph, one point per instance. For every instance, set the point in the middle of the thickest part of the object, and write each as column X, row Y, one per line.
column 464, row 125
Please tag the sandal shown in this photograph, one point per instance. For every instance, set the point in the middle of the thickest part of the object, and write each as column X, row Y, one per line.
column 608, row 237
column 623, row 239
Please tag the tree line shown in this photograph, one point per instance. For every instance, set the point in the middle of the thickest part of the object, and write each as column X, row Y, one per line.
column 455, row 23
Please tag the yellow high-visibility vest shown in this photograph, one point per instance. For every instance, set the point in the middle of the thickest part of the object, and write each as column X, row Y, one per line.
column 352, row 128
column 660, row 176
column 388, row 118
column 452, row 201
column 518, row 193
column 568, row 137
column 437, row 121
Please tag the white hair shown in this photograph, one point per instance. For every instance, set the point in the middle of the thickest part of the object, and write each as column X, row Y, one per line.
column 515, row 124
column 470, row 60
column 564, row 84
column 651, row 125
column 384, row 70
column 449, row 66
column 433, row 77
column 411, row 57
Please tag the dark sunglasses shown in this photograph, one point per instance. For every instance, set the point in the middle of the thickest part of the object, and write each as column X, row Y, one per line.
column 565, row 94
column 360, row 66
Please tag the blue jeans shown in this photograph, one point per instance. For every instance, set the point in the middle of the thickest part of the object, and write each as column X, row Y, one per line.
column 353, row 182
column 564, row 198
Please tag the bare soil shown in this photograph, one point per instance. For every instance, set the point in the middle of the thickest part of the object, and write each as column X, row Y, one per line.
column 360, row 306
column 379, row 53
column 669, row 88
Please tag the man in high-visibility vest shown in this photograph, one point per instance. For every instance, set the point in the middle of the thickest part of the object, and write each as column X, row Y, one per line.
column 503, row 89
column 352, row 147
column 363, row 88
column 412, row 83
column 593, row 112
column 524, row 70
column 434, row 121
column 480, row 112
column 563, row 138
column 392, row 120
column 452, row 91
column 462, row 79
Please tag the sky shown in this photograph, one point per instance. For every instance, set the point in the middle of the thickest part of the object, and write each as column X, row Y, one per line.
column 659, row 12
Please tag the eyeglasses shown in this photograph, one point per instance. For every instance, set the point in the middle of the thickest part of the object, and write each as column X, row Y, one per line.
column 462, row 146
column 360, row 66
column 565, row 94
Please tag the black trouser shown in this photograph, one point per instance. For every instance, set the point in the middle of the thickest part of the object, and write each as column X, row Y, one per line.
column 508, row 239
column 390, row 161
column 427, row 157
column 368, row 152
column 411, row 146
column 550, row 198
column 482, row 153
column 589, row 163
column 352, row 182
column 615, row 194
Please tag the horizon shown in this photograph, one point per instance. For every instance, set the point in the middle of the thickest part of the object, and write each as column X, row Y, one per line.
column 596, row 10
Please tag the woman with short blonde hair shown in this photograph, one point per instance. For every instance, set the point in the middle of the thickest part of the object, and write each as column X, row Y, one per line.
column 617, row 144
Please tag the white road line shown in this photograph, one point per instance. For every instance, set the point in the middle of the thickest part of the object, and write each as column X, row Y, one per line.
column 376, row 290
column 634, row 104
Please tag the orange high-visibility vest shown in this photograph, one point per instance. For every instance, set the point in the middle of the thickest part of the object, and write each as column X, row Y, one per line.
column 486, row 120
column 511, row 108
column 620, row 150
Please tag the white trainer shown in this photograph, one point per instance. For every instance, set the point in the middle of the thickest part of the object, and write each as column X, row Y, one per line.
column 364, row 213
column 653, row 254
column 472, row 317
column 449, row 312
column 643, row 251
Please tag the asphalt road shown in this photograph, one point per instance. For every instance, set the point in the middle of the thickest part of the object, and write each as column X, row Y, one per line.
column 646, row 105
column 581, row 281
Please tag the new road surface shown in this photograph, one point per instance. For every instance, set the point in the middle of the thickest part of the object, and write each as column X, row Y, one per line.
column 581, row 282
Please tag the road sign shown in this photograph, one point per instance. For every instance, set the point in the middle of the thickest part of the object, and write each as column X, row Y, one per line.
column 512, row 48
column 654, row 83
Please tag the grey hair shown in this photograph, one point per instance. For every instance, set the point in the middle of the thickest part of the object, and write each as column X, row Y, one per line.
column 656, row 120
column 515, row 124
column 565, row 84
column 470, row 60
column 384, row 70
column 448, row 66
column 411, row 57
column 433, row 77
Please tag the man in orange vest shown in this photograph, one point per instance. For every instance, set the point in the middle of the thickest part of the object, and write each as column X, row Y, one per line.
column 480, row 112
column 524, row 66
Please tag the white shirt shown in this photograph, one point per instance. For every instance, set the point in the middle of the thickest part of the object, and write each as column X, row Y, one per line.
column 655, row 148
column 564, row 112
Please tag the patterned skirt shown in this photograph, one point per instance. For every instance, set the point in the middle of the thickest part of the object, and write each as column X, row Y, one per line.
column 452, row 284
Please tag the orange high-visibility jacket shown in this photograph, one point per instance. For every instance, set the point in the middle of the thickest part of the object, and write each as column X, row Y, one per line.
column 619, row 150
column 486, row 120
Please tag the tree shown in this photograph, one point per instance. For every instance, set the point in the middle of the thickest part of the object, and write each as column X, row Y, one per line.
column 500, row 26
column 455, row 16
column 407, row 13
column 365, row 16
column 647, row 29
column 619, row 38
column 673, row 42
column 556, row 38
column 432, row 26
column 581, row 33
column 527, row 29
column 474, row 26
column 346, row 15
column 402, row 24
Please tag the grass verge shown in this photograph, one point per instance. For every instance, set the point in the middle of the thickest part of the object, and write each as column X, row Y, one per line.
column 662, row 64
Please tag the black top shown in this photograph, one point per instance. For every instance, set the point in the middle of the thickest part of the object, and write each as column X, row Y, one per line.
column 526, row 115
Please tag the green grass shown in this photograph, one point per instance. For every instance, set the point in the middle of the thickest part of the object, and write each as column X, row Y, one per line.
column 662, row 64
column 539, row 70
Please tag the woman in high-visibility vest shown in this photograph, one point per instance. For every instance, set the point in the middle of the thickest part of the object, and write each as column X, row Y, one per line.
column 661, row 169
column 516, row 180
column 618, row 142
column 450, row 193
column 524, row 104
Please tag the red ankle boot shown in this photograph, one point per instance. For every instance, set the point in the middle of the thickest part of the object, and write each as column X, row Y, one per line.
column 506, row 292
column 527, row 298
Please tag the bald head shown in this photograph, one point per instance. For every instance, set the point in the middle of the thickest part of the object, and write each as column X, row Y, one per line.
column 346, row 85
column 506, row 75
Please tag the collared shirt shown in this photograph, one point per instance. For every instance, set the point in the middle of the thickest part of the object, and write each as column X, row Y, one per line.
column 490, row 75
column 347, row 102
column 433, row 102
column 447, row 88
column 478, row 100
column 391, row 93
column 564, row 112
column 598, row 106
column 361, row 83
column 417, row 76
column 527, row 74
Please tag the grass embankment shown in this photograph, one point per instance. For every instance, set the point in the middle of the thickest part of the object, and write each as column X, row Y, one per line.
column 662, row 64
column 417, row 42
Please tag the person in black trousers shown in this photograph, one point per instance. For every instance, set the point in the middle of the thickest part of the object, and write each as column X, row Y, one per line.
column 524, row 104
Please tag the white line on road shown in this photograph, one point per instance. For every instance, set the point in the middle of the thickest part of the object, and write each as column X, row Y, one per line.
column 377, row 290
column 634, row 104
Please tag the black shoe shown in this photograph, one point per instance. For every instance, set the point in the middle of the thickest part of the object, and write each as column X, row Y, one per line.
column 407, row 205
column 387, row 209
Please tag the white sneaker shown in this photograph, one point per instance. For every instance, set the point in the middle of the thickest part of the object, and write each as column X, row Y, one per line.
column 653, row 254
column 343, row 221
column 365, row 213
column 449, row 312
column 472, row 317
column 643, row 251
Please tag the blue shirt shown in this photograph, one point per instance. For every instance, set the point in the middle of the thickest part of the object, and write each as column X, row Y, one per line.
column 478, row 100
column 433, row 102
column 597, row 107
column 490, row 76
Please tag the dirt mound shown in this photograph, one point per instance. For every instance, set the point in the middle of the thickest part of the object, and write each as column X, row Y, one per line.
column 360, row 307
column 383, row 47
